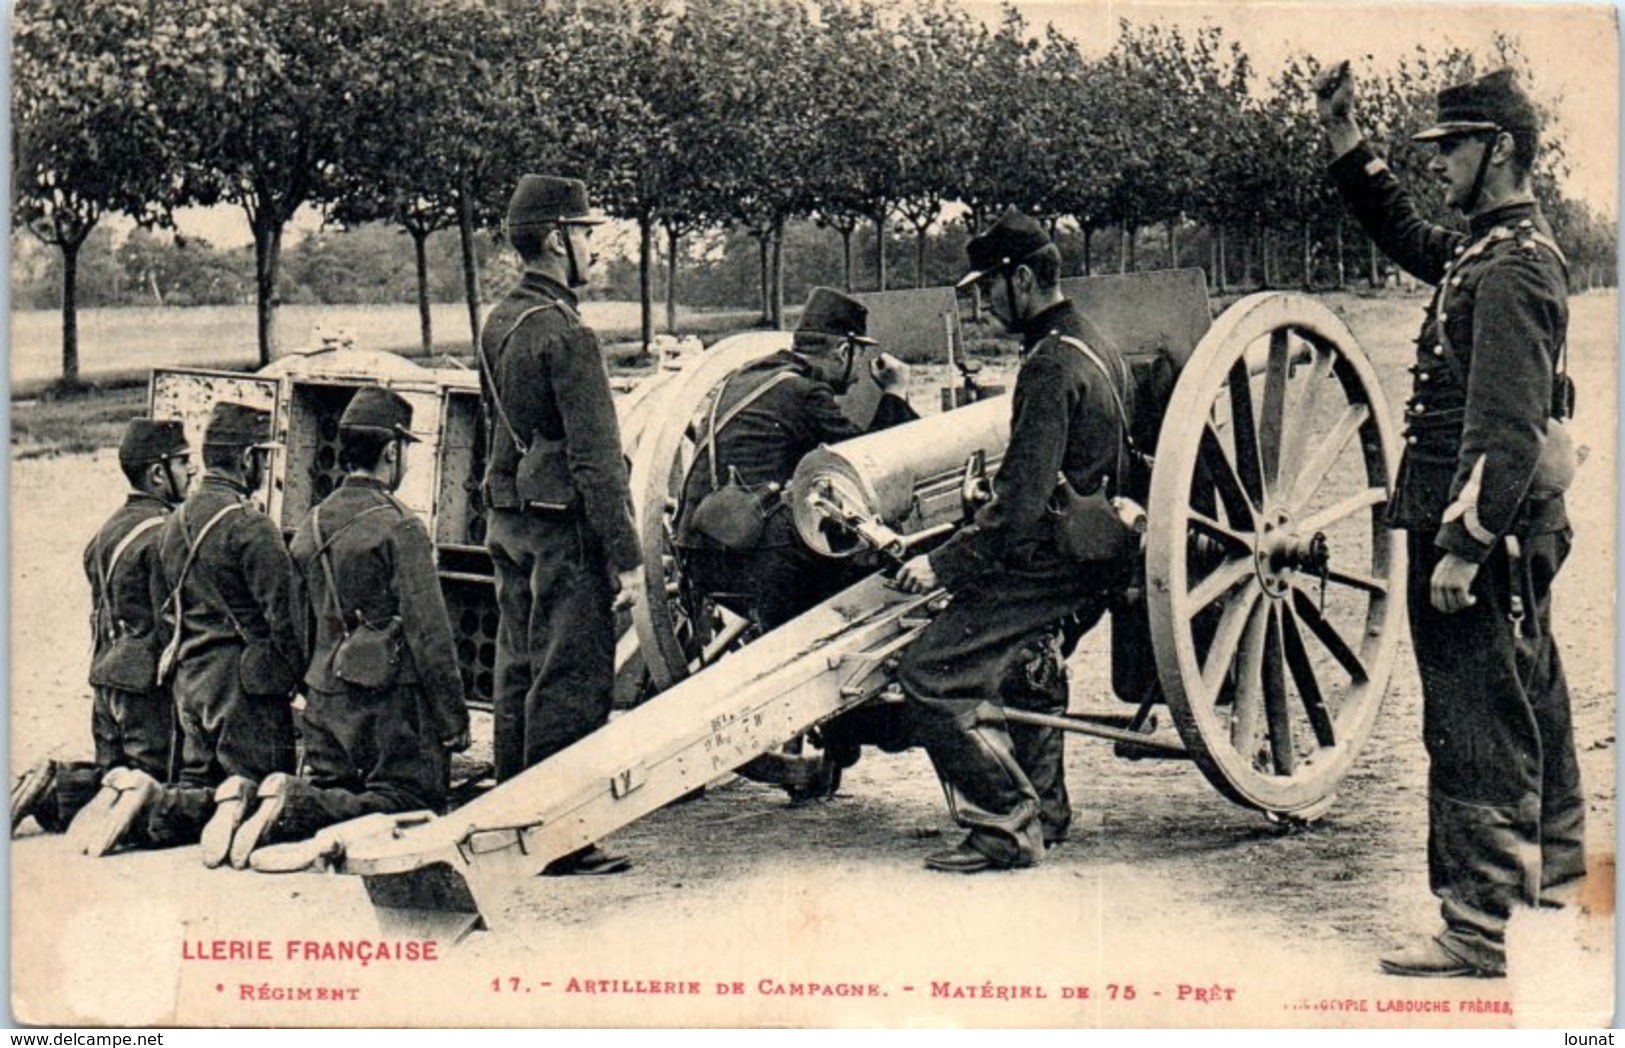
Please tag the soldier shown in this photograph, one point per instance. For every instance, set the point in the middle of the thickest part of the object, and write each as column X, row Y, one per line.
column 1487, row 529
column 559, row 525
column 1010, row 582
column 384, row 701
column 768, row 415
column 232, row 651
column 132, row 717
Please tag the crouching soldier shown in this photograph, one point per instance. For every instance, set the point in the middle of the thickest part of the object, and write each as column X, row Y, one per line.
column 231, row 655
column 132, row 718
column 384, row 700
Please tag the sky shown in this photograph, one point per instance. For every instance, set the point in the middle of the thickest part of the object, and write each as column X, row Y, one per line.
column 1573, row 51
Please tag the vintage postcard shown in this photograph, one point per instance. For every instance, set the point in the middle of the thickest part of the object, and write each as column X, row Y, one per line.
column 1324, row 354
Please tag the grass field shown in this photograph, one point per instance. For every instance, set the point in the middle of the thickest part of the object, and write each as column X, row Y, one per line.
column 121, row 345
column 1385, row 325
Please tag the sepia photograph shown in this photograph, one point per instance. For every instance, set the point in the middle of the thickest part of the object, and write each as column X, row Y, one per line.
column 812, row 514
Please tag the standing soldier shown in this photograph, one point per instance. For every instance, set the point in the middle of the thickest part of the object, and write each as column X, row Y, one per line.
column 1010, row 581
column 233, row 659
column 384, row 698
column 559, row 528
column 1486, row 522
column 132, row 717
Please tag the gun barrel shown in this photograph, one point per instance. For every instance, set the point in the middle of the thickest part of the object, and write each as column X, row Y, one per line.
column 907, row 478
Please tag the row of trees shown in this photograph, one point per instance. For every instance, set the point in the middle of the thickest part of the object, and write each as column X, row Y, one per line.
column 741, row 115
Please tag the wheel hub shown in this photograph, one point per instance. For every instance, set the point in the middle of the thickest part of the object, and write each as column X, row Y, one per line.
column 1281, row 551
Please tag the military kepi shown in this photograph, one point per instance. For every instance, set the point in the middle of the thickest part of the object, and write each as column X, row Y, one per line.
column 1493, row 102
column 149, row 440
column 828, row 312
column 379, row 409
column 545, row 200
column 1007, row 242
column 233, row 425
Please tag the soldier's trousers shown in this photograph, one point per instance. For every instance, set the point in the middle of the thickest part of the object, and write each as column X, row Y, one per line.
column 1004, row 783
column 133, row 730
column 1506, row 815
column 130, row 730
column 226, row 730
column 555, row 658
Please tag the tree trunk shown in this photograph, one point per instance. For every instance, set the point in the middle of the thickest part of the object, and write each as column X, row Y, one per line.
column 846, row 256
column 1088, row 250
column 471, row 269
column 420, row 241
column 778, row 277
column 1222, row 266
column 920, row 236
column 1376, row 265
column 70, row 311
column 763, row 250
column 673, row 241
column 267, row 261
column 1342, row 272
column 646, row 290
column 880, row 250
column 1308, row 259
column 1173, row 243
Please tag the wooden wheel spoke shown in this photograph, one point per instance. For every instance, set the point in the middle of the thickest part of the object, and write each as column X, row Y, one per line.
column 1327, row 634
column 1246, row 716
column 1320, row 463
column 1303, row 675
column 1238, row 543
column 1228, row 636
column 1356, row 580
column 1238, row 506
column 1272, row 413
column 1301, row 417
column 1275, row 709
column 1347, row 507
column 1244, row 425
column 1219, row 581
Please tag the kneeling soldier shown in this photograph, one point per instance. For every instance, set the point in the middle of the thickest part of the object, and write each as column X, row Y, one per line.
column 133, row 718
column 384, row 699
column 231, row 657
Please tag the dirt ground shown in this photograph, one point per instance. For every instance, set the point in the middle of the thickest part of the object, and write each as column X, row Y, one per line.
column 1169, row 907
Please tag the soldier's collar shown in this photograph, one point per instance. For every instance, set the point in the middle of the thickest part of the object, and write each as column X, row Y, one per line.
column 541, row 282
column 1505, row 215
column 1040, row 327
column 220, row 480
column 354, row 480
column 136, row 497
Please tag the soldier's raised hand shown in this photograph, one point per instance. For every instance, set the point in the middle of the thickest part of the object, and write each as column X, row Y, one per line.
column 1334, row 93
column 628, row 588
column 890, row 374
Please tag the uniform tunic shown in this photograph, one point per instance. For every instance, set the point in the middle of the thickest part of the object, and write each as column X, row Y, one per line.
column 763, row 444
column 133, row 719
column 239, row 658
column 372, row 750
column 1506, row 814
column 555, row 658
column 1010, row 588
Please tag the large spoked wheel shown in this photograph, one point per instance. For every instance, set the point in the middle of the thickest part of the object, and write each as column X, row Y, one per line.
column 678, row 629
column 1276, row 593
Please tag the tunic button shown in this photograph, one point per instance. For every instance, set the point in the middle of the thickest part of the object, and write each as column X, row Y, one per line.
column 1421, row 376
column 1418, row 409
column 1438, row 351
column 1444, row 318
column 1455, row 282
column 1411, row 441
column 1460, row 248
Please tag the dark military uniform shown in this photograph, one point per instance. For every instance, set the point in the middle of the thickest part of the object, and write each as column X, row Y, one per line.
column 1010, row 587
column 372, row 750
column 239, row 659
column 555, row 657
column 1505, row 808
column 133, row 718
column 779, row 578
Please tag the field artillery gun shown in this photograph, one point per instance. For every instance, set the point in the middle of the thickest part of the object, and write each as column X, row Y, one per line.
column 1265, row 618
